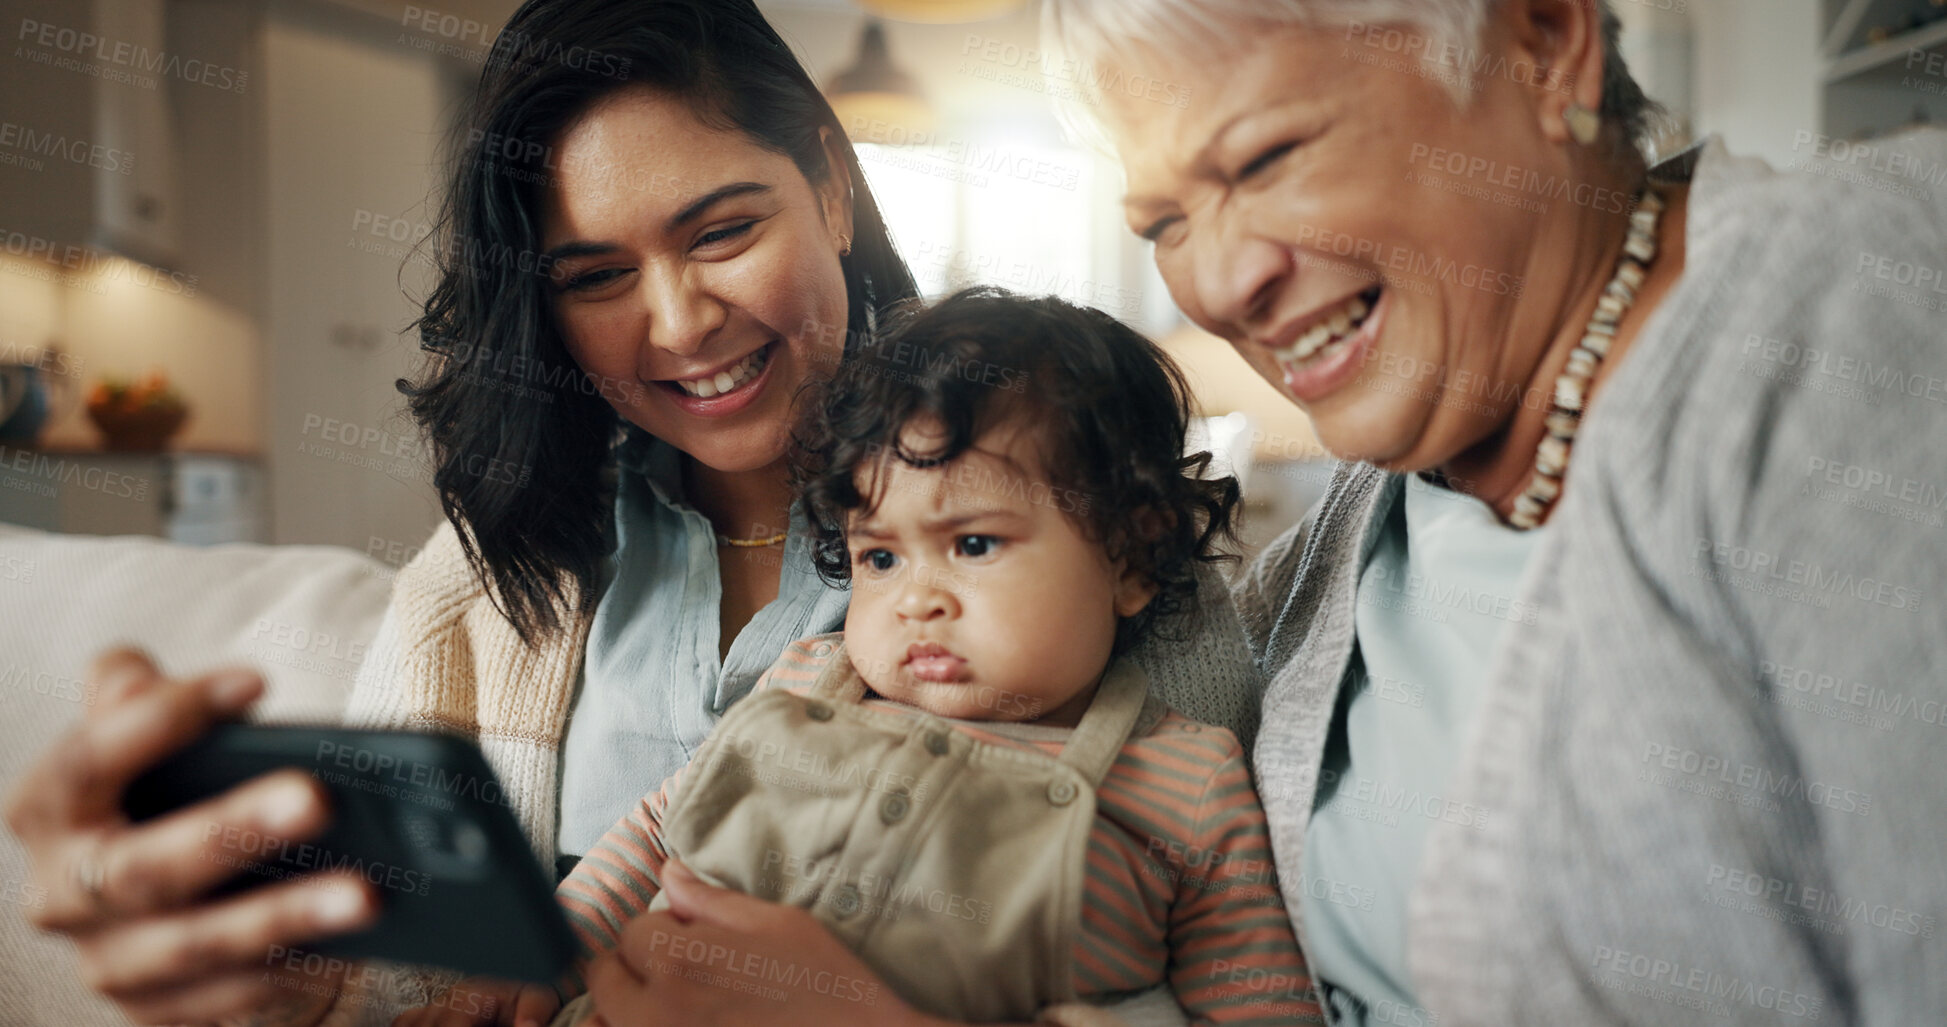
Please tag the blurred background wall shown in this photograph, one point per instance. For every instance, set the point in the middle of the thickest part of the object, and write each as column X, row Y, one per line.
column 239, row 228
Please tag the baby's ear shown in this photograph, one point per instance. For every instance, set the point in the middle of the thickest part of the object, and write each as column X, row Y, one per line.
column 1133, row 591
column 1135, row 587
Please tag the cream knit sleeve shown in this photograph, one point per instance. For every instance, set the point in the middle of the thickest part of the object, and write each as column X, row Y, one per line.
column 375, row 993
column 374, row 701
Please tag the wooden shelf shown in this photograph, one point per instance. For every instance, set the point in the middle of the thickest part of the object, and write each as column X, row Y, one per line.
column 1879, row 55
column 1841, row 26
column 85, row 449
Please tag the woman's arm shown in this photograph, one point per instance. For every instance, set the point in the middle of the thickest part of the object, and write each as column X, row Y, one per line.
column 373, row 693
column 1262, row 588
column 661, row 973
column 1727, row 697
column 682, row 968
column 1201, row 662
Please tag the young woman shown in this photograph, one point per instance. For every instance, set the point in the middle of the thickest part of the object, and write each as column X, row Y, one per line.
column 656, row 234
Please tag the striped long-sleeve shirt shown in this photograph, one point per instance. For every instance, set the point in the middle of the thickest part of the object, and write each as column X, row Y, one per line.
column 1180, row 887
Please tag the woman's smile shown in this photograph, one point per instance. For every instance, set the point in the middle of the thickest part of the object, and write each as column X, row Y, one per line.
column 725, row 391
column 1321, row 352
column 718, row 294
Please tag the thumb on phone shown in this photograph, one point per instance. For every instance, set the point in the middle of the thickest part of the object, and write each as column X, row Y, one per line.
column 535, row 1006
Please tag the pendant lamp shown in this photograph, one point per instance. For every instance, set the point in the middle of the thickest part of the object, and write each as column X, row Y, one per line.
column 875, row 100
column 941, row 11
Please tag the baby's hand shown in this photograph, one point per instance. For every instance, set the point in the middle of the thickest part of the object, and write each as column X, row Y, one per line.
column 481, row 1001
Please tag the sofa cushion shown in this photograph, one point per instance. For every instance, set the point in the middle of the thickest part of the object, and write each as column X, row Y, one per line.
column 303, row 615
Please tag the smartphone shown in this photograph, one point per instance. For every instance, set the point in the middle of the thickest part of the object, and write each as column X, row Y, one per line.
column 419, row 815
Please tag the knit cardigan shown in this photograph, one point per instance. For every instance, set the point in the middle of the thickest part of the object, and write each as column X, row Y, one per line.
column 446, row 660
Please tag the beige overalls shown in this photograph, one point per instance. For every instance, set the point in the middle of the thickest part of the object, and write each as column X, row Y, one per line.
column 953, row 867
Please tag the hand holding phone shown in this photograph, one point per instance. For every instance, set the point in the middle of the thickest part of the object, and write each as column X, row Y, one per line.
column 420, row 816
column 104, row 884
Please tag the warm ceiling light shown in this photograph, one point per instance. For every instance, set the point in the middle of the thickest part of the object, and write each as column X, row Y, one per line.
column 877, row 102
column 941, row 10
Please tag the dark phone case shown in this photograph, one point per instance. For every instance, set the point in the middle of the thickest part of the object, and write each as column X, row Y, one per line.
column 421, row 816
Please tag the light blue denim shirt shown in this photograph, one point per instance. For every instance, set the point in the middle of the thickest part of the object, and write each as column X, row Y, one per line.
column 1436, row 595
column 652, row 686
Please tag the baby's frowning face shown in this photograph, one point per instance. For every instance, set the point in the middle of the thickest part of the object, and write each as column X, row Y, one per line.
column 975, row 594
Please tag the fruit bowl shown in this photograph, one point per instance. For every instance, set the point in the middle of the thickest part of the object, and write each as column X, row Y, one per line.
column 142, row 417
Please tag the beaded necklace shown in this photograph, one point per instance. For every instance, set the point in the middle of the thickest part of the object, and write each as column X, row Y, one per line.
column 1572, row 387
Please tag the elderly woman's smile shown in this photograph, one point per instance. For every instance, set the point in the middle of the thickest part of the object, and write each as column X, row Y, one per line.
column 1325, row 349
column 1282, row 222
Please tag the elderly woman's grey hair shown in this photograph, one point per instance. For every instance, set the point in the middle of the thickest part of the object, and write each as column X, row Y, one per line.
column 1089, row 32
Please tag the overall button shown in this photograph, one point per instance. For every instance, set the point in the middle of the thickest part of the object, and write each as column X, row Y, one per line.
column 846, row 901
column 822, row 649
column 894, row 808
column 1062, row 792
column 936, row 743
column 817, row 711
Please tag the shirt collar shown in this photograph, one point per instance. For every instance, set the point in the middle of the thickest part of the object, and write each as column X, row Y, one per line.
column 655, row 462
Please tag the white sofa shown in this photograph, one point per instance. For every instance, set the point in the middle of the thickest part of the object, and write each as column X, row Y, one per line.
column 301, row 614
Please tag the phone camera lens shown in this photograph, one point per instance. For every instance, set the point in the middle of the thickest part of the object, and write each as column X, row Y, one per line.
column 469, row 842
column 449, row 840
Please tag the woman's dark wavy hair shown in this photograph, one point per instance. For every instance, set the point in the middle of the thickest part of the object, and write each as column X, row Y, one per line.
column 1107, row 407
column 520, row 438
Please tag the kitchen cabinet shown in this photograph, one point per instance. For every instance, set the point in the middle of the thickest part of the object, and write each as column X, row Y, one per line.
column 86, row 130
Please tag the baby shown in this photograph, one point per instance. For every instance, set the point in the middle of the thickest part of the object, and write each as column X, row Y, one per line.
column 971, row 786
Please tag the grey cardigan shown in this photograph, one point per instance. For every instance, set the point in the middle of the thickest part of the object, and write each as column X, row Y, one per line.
column 1714, row 769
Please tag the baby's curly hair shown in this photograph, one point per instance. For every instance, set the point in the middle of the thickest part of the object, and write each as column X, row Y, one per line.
column 1107, row 407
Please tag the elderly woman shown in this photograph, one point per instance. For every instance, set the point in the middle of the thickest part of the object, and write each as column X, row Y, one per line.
column 1607, row 677
column 708, row 247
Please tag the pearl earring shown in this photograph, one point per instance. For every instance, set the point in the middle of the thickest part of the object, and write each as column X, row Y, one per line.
column 1584, row 124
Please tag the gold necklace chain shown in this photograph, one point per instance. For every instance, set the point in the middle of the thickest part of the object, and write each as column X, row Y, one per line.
column 753, row 543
